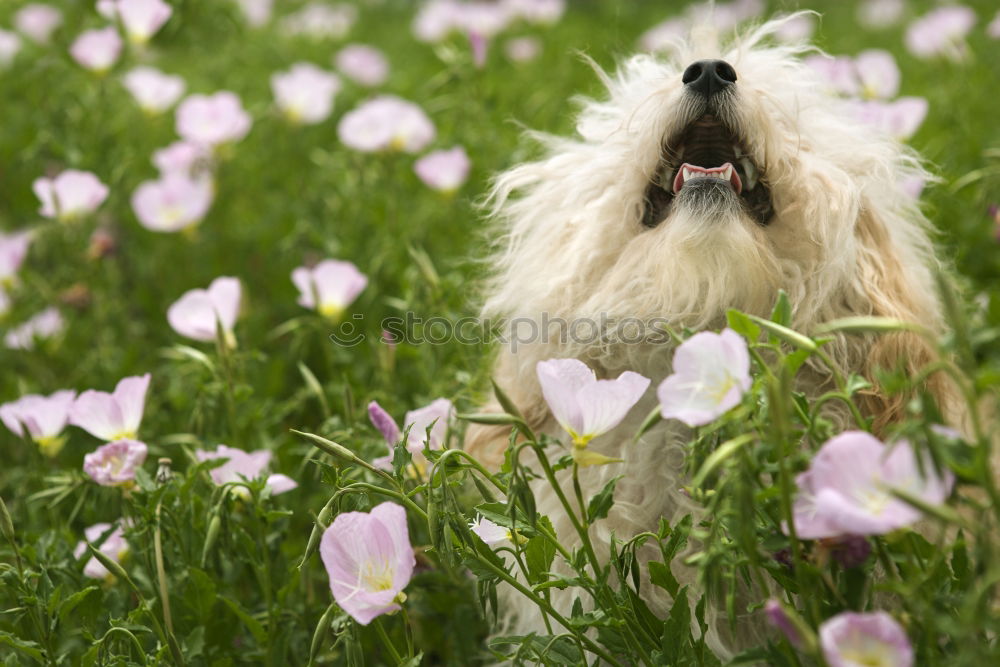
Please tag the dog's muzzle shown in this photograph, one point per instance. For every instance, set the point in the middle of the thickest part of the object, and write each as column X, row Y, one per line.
column 707, row 159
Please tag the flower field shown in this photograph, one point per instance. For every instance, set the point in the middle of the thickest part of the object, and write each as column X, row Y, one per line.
column 241, row 262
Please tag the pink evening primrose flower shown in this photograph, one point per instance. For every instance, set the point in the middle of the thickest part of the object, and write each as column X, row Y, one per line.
column 305, row 93
column 444, row 171
column 97, row 50
column 837, row 74
column 114, row 547
column 847, row 489
column 386, row 425
column 41, row 326
column 583, row 405
column 369, row 560
column 900, row 119
column 38, row 21
column 319, row 21
column 796, row 29
column 386, row 122
column 711, row 374
column 241, row 465
column 10, row 46
column 878, row 74
column 141, row 18
column 115, row 463
column 876, row 639
column 112, row 416
column 184, row 158
column 13, row 250
column 173, row 203
column 43, row 418
column 256, row 12
column 363, row 64
column 522, row 49
column 71, row 195
column 666, row 36
column 152, row 89
column 213, row 119
column 329, row 287
column 491, row 533
column 536, row 11
column 200, row 312
column 878, row 14
column 941, row 31
column 434, row 416
column 993, row 29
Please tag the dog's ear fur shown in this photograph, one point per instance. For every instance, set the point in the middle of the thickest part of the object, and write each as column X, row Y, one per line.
column 898, row 284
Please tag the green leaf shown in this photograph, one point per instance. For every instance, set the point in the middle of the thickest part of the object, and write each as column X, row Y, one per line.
column 252, row 624
column 721, row 453
column 30, row 649
column 791, row 337
column 74, row 600
column 870, row 325
column 782, row 313
column 601, row 503
column 315, row 387
column 660, row 575
column 743, row 325
column 539, row 553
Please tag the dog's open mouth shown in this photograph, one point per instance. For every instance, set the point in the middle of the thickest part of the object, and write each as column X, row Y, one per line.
column 707, row 160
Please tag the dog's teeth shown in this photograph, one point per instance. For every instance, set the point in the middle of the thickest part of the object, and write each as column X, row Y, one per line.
column 687, row 174
column 750, row 174
column 728, row 173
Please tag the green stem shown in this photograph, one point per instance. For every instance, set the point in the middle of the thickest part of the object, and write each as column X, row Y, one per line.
column 388, row 642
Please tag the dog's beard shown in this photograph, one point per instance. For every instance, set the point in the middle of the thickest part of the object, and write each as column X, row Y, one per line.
column 706, row 257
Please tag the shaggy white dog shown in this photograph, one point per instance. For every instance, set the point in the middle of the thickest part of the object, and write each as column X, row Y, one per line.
column 701, row 183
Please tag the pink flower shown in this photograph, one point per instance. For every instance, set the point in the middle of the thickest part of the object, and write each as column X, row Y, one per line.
column 899, row 119
column 386, row 122
column 320, row 21
column 173, row 203
column 115, row 463
column 664, row 36
column 114, row 416
column 38, row 21
column 878, row 14
column 97, row 50
column 779, row 618
column 993, row 29
column 369, row 560
column 114, row 547
column 213, row 119
column 43, row 418
column 240, row 466
column 798, row 28
column 13, row 250
column 10, row 46
column 305, row 93
column 522, row 49
column 329, row 287
column 942, row 32
column 583, row 405
column 140, row 18
column 385, row 424
column 711, row 374
column 837, row 74
column 184, row 158
column 199, row 313
column 435, row 417
column 536, row 11
column 445, row 171
column 152, row 89
column 851, row 639
column 847, row 488
column 479, row 45
column 45, row 324
column 70, row 195
column 363, row 64
column 490, row 533
column 878, row 74
column 256, row 12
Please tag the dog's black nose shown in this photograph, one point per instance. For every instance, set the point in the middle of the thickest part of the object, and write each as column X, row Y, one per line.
column 708, row 77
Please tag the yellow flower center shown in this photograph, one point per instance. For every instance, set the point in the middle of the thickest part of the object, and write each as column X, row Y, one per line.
column 331, row 311
column 378, row 576
column 50, row 446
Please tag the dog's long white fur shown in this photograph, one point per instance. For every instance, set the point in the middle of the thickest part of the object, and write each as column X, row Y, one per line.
column 845, row 240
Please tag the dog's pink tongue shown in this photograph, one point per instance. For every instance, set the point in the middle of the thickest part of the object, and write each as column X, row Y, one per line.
column 725, row 173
